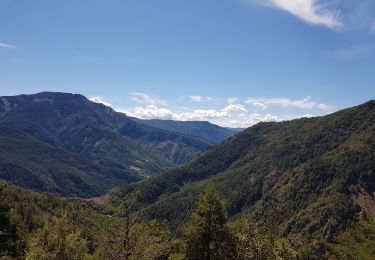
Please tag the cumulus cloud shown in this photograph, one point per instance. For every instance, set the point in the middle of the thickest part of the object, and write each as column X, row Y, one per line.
column 152, row 111
column 235, row 108
column 305, row 103
column 232, row 100
column 255, row 118
column 326, row 107
column 196, row 99
column 5, row 45
column 306, row 115
column 250, row 120
column 310, row 11
column 201, row 115
column 142, row 98
column 199, row 99
column 100, row 100
column 260, row 105
column 232, row 115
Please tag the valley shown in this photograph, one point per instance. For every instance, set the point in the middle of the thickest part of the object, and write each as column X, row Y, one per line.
column 299, row 189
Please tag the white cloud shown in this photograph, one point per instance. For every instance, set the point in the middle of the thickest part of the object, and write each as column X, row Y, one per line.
column 305, row 103
column 232, row 100
column 235, row 108
column 199, row 99
column 250, row 120
column 260, row 105
column 306, row 115
column 152, row 111
column 201, row 115
column 310, row 11
column 196, row 99
column 142, row 98
column 233, row 115
column 326, row 107
column 100, row 100
column 5, row 45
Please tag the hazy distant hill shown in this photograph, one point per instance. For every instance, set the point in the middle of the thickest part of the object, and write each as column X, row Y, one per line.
column 203, row 129
column 175, row 146
column 64, row 143
column 310, row 177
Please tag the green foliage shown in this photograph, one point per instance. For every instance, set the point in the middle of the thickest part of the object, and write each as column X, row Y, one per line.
column 202, row 129
column 24, row 214
column 56, row 240
column 66, row 144
column 154, row 241
column 207, row 236
column 302, row 183
column 147, row 241
column 174, row 145
column 357, row 242
column 299, row 176
column 255, row 242
column 8, row 232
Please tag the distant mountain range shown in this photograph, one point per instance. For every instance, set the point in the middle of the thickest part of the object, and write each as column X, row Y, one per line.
column 310, row 178
column 63, row 143
column 203, row 129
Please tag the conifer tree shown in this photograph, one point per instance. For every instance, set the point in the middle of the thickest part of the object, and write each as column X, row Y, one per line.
column 56, row 240
column 207, row 236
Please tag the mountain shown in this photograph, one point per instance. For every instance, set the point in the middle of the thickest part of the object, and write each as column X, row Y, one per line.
column 64, row 143
column 310, row 177
column 236, row 129
column 175, row 146
column 203, row 129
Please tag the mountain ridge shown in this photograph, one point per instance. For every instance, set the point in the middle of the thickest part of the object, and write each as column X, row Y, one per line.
column 204, row 129
column 283, row 171
column 72, row 126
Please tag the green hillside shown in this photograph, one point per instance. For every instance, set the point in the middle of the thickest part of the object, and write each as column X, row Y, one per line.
column 178, row 147
column 310, row 178
column 24, row 212
column 203, row 129
column 64, row 143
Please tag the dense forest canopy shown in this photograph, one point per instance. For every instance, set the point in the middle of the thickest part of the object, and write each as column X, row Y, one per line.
column 302, row 189
column 64, row 143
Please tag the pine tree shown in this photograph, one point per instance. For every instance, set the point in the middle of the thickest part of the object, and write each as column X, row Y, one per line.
column 207, row 236
column 56, row 240
column 256, row 243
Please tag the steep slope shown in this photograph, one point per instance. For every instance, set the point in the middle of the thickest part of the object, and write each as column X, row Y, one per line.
column 64, row 143
column 311, row 177
column 203, row 129
column 76, row 124
column 177, row 147
column 30, row 163
column 23, row 212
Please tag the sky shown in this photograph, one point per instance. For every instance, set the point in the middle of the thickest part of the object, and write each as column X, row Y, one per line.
column 231, row 62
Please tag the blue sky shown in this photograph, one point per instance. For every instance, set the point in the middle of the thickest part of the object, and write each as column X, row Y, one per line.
column 231, row 62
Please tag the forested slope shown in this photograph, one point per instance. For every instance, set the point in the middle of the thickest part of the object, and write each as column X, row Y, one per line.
column 310, row 177
column 64, row 143
column 203, row 129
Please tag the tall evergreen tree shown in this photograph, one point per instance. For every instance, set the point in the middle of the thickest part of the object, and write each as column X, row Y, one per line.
column 58, row 240
column 207, row 236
